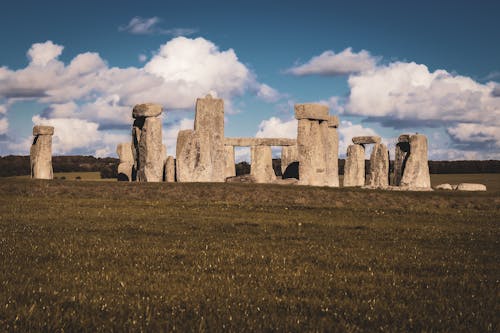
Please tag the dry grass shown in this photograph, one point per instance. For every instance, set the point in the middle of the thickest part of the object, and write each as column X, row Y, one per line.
column 210, row 257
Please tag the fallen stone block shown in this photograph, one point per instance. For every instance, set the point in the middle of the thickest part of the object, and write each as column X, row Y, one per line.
column 471, row 187
column 447, row 187
column 241, row 179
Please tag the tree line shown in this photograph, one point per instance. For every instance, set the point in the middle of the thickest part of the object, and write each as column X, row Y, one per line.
column 20, row 165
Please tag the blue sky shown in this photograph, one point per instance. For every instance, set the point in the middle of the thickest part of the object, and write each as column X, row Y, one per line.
column 385, row 68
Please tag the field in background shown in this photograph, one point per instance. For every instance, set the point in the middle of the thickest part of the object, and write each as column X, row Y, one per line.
column 244, row 257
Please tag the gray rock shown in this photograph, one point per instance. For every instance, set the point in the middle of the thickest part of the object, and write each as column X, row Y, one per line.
column 312, row 157
column 416, row 169
column 187, row 156
column 354, row 169
column 146, row 110
column 361, row 140
column 290, row 162
column 402, row 153
column 311, row 111
column 447, row 187
column 287, row 181
column 209, row 127
column 331, row 151
column 125, row 152
column 230, row 169
column 404, row 138
column 150, row 151
column 379, row 167
column 169, row 176
column 41, row 153
column 250, row 142
column 261, row 167
column 43, row 130
column 471, row 187
column 241, row 179
column 333, row 121
column 125, row 171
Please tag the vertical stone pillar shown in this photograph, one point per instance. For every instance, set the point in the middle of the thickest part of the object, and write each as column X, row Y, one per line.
column 379, row 166
column 187, row 156
column 230, row 167
column 401, row 154
column 262, row 164
column 41, row 153
column 354, row 169
column 169, row 176
column 332, row 152
column 416, row 171
column 290, row 162
column 209, row 126
column 147, row 139
column 126, row 166
column 312, row 128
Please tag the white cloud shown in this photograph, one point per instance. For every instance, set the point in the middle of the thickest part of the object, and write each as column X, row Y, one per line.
column 277, row 128
column 88, row 92
column 141, row 25
column 3, row 109
column 142, row 57
column 475, row 133
column 330, row 63
column 268, row 93
column 40, row 54
column 150, row 25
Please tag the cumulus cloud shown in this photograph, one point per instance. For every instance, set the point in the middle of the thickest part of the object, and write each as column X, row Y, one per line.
column 40, row 54
column 277, row 128
column 468, row 133
column 330, row 63
column 77, row 134
column 89, row 92
column 150, row 25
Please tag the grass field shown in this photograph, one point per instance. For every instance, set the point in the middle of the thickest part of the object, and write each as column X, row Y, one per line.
column 116, row 256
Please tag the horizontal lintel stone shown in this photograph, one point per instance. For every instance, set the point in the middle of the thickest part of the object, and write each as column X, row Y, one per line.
column 361, row 140
column 249, row 142
column 43, row 130
column 313, row 111
column 147, row 110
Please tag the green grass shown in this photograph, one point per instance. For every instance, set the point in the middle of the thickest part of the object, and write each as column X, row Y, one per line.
column 237, row 257
column 91, row 175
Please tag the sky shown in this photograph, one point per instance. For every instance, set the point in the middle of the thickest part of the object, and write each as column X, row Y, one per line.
column 384, row 67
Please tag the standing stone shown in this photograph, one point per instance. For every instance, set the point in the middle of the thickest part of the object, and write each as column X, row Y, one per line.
column 41, row 153
column 354, row 169
column 261, row 167
column 401, row 155
column 416, row 170
column 379, row 166
column 187, row 156
column 290, row 162
column 230, row 167
column 170, row 170
column 147, row 140
column 312, row 166
column 126, row 166
column 209, row 126
column 332, row 153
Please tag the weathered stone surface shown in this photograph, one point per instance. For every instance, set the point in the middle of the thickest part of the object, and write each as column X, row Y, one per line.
column 169, row 176
column 399, row 188
column 312, row 111
column 125, row 171
column 125, row 152
column 261, row 167
column 249, row 142
column 416, row 169
column 209, row 127
column 471, row 187
column 241, row 179
column 150, row 148
column 230, row 169
column 290, row 162
column 331, row 151
column 187, row 156
column 312, row 159
column 333, row 121
column 43, row 130
column 287, row 181
column 402, row 153
column 146, row 110
column 379, row 167
column 404, row 138
column 361, row 140
column 354, row 169
column 444, row 187
column 41, row 153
